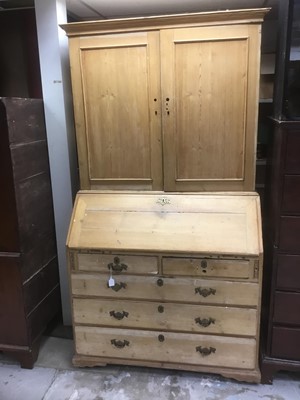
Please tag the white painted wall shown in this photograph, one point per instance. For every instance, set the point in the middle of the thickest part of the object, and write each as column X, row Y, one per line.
column 57, row 95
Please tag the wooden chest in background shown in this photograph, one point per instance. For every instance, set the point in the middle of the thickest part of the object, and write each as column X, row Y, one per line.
column 29, row 281
column 168, row 281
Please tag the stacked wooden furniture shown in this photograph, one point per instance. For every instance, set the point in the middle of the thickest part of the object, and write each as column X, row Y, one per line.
column 29, row 281
column 168, row 281
column 282, row 300
column 167, row 103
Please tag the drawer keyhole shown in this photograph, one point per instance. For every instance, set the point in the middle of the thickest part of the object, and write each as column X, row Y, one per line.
column 160, row 282
column 161, row 338
column 161, row 309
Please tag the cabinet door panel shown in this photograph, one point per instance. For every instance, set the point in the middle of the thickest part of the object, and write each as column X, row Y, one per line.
column 120, row 117
column 209, row 85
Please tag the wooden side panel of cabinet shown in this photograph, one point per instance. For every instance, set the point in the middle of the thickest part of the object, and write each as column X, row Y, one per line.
column 210, row 94
column 116, row 88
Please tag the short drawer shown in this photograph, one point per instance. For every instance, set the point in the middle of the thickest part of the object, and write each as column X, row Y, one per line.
column 286, row 308
column 288, row 272
column 190, row 349
column 117, row 263
column 165, row 316
column 285, row 343
column 291, row 194
column 292, row 160
column 289, row 238
column 208, row 267
column 199, row 291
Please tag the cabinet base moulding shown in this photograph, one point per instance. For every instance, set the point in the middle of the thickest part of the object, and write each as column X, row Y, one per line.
column 250, row 376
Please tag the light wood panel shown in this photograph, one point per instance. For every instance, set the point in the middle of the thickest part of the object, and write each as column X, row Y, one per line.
column 209, row 224
column 208, row 129
column 118, row 91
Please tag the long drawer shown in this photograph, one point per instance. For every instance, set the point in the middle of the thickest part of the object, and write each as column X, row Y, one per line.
column 166, row 347
column 199, row 291
column 165, row 316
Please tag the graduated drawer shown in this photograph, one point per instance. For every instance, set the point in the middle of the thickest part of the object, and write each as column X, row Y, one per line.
column 289, row 236
column 183, row 348
column 287, row 308
column 203, row 291
column 117, row 263
column 208, row 267
column 285, row 343
column 165, row 316
column 288, row 272
column 291, row 194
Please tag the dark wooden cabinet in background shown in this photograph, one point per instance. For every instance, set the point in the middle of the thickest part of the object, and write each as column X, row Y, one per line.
column 281, row 333
column 29, row 281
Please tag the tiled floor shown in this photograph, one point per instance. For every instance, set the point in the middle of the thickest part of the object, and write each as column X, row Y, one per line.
column 54, row 378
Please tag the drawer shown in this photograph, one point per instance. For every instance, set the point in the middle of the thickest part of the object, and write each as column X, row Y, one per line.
column 170, row 347
column 289, row 237
column 292, row 160
column 208, row 267
column 286, row 308
column 288, row 272
column 198, row 291
column 165, row 316
column 291, row 194
column 285, row 343
column 98, row 262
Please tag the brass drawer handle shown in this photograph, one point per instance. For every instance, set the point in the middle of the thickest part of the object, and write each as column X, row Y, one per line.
column 204, row 292
column 117, row 266
column 118, row 286
column 119, row 315
column 160, row 282
column 205, row 322
column 205, row 351
column 119, row 344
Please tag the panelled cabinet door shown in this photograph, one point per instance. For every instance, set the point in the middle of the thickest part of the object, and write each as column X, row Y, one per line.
column 116, row 90
column 210, row 95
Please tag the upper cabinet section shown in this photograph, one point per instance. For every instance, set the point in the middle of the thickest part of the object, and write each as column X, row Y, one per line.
column 167, row 103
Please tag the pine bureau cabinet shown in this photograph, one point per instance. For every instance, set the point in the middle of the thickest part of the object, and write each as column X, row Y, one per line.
column 168, row 102
column 170, row 281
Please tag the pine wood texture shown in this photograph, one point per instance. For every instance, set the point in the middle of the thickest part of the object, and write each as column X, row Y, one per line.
column 167, row 103
column 178, row 304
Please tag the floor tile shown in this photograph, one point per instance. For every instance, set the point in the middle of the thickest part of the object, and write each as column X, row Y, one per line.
column 23, row 384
